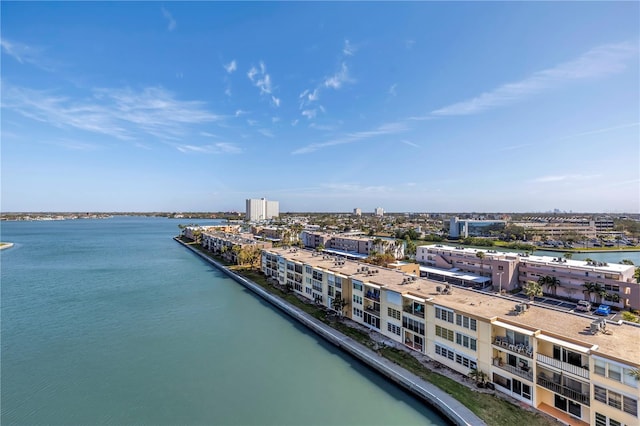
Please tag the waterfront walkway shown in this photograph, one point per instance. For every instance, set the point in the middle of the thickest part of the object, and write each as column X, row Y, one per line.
column 448, row 406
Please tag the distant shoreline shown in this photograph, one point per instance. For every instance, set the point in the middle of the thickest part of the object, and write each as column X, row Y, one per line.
column 5, row 245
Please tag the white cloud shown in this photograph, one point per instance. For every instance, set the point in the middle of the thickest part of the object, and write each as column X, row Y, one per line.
column 385, row 129
column 218, row 148
column 597, row 62
column 392, row 89
column 338, row 79
column 240, row 112
column 266, row 132
column 262, row 81
column 227, row 91
column 406, row 142
column 295, row 122
column 564, row 178
column 25, row 54
column 349, row 49
column 275, row 119
column 309, row 113
column 313, row 96
column 121, row 113
column 231, row 66
column 172, row 22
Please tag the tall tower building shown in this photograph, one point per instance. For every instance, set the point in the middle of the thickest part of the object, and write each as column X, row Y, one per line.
column 357, row 211
column 261, row 209
column 379, row 211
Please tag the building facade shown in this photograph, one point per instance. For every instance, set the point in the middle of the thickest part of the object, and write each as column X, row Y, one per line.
column 563, row 364
column 509, row 271
column 463, row 228
column 259, row 209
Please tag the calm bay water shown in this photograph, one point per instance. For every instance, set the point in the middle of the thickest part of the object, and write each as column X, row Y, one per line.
column 112, row 322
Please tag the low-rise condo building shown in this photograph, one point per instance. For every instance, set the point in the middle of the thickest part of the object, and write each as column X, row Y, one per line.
column 567, row 365
column 610, row 283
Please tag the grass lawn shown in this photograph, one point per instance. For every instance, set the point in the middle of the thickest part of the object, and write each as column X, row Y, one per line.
column 491, row 409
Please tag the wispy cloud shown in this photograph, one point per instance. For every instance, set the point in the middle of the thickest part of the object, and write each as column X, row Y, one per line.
column 266, row 132
column 231, row 66
column 564, row 178
column 604, row 130
column 349, row 49
column 310, row 113
column 598, row 62
column 218, row 148
column 262, row 81
column 171, row 25
column 24, row 54
column 339, row 78
column 385, row 129
column 392, row 89
column 406, row 142
column 121, row 113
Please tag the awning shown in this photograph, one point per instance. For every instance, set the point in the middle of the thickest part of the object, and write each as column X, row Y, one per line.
column 564, row 344
column 513, row 328
column 417, row 299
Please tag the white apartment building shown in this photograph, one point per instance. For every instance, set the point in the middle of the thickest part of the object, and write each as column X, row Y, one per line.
column 261, row 209
column 357, row 211
column 379, row 211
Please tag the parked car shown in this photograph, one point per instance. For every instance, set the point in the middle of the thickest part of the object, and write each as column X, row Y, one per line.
column 583, row 306
column 604, row 310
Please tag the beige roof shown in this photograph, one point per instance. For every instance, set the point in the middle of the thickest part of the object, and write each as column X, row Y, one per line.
column 622, row 343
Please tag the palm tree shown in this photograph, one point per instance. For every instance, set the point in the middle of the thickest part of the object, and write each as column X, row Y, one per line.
column 552, row 284
column 479, row 376
column 635, row 374
column 532, row 289
column 568, row 255
column 480, row 255
column 636, row 274
column 589, row 288
column 627, row 262
column 599, row 291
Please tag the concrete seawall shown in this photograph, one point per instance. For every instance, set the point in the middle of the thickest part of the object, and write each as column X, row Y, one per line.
column 449, row 407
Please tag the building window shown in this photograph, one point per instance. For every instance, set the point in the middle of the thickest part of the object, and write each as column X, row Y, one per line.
column 444, row 333
column 393, row 313
column 357, row 286
column 357, row 312
column 357, row 299
column 393, row 328
column 444, row 314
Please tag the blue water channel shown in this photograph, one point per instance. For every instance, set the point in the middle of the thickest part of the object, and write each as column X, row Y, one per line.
column 112, row 322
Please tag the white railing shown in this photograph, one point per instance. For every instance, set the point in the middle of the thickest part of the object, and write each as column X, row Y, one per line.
column 564, row 366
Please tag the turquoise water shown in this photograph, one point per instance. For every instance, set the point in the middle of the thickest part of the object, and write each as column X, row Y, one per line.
column 112, row 322
column 610, row 257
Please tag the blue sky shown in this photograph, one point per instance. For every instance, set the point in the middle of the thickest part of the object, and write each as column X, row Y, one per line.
column 414, row 107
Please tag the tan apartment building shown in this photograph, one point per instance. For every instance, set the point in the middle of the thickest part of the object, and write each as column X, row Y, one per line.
column 223, row 244
column 353, row 243
column 512, row 270
column 564, row 364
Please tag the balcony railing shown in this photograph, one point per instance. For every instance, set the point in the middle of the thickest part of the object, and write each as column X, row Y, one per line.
column 373, row 296
column 525, row 373
column 416, row 346
column 563, row 390
column 409, row 309
column 502, row 342
column 564, row 366
column 372, row 310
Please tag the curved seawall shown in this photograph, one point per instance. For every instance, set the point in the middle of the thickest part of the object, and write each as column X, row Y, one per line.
column 449, row 407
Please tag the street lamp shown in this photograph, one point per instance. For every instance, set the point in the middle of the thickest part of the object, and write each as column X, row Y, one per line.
column 500, row 276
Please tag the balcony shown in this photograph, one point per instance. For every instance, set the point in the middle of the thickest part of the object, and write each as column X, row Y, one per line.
column 524, row 372
column 372, row 295
column 373, row 309
column 411, row 309
column 413, row 345
column 564, row 366
column 573, row 394
column 502, row 343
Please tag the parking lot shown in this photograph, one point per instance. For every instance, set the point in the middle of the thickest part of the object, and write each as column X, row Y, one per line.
column 562, row 305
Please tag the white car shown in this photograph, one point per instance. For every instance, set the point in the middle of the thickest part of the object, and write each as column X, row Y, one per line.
column 583, row 306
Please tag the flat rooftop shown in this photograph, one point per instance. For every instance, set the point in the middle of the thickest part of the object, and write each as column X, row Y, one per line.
column 622, row 343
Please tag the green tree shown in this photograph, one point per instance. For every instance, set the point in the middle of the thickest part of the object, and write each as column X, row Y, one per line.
column 568, row 255
column 532, row 289
column 589, row 288
column 627, row 262
column 636, row 274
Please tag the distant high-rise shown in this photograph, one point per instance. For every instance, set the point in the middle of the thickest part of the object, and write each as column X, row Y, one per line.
column 357, row 211
column 379, row 211
column 262, row 209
